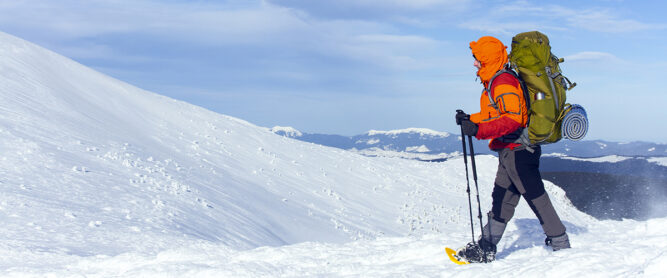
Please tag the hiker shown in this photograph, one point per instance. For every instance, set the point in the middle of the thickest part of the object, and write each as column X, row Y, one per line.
column 518, row 168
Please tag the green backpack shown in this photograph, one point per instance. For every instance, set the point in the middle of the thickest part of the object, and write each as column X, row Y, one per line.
column 544, row 88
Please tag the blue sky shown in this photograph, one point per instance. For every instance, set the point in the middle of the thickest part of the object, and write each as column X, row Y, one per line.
column 348, row 66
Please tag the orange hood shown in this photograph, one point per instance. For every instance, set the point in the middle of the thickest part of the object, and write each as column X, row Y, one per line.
column 491, row 53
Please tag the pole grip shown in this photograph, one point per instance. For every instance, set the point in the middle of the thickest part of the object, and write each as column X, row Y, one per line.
column 459, row 116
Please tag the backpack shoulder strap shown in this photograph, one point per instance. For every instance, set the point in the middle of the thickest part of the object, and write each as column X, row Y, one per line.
column 522, row 84
column 505, row 69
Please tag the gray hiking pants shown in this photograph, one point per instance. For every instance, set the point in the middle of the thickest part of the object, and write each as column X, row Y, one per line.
column 519, row 175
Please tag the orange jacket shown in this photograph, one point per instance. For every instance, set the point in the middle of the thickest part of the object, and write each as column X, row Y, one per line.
column 506, row 117
column 510, row 112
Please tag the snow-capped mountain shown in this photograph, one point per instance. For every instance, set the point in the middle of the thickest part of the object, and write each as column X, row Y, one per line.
column 100, row 178
column 417, row 143
column 427, row 144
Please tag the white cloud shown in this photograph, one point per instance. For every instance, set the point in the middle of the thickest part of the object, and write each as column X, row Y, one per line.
column 603, row 20
column 407, row 12
column 404, row 40
column 401, row 4
column 506, row 28
column 392, row 52
column 205, row 22
column 272, row 45
column 257, row 24
column 591, row 56
column 518, row 16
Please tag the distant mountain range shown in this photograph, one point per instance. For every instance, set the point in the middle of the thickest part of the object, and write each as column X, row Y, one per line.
column 429, row 144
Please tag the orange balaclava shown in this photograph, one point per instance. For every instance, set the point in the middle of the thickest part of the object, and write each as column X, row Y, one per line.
column 491, row 53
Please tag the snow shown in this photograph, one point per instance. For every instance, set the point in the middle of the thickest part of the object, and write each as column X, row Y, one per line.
column 287, row 130
column 637, row 256
column 101, row 179
column 608, row 158
column 420, row 131
column 371, row 141
column 377, row 152
column 555, row 154
column 420, row 149
column 658, row 160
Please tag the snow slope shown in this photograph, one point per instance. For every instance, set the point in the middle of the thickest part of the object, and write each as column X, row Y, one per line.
column 99, row 178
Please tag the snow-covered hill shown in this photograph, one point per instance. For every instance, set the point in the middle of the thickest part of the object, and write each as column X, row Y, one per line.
column 99, row 178
column 93, row 154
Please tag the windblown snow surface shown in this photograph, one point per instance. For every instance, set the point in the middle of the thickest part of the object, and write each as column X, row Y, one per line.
column 102, row 179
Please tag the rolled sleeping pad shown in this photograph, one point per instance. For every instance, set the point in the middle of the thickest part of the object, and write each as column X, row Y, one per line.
column 575, row 123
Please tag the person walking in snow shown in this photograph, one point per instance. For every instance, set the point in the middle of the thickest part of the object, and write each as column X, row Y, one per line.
column 518, row 168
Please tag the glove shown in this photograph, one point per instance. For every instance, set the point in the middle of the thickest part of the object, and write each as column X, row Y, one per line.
column 460, row 115
column 468, row 127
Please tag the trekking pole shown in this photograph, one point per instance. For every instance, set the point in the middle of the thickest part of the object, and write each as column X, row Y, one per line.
column 465, row 162
column 474, row 176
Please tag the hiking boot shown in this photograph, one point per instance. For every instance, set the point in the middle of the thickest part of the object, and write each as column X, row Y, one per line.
column 558, row 242
column 475, row 252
